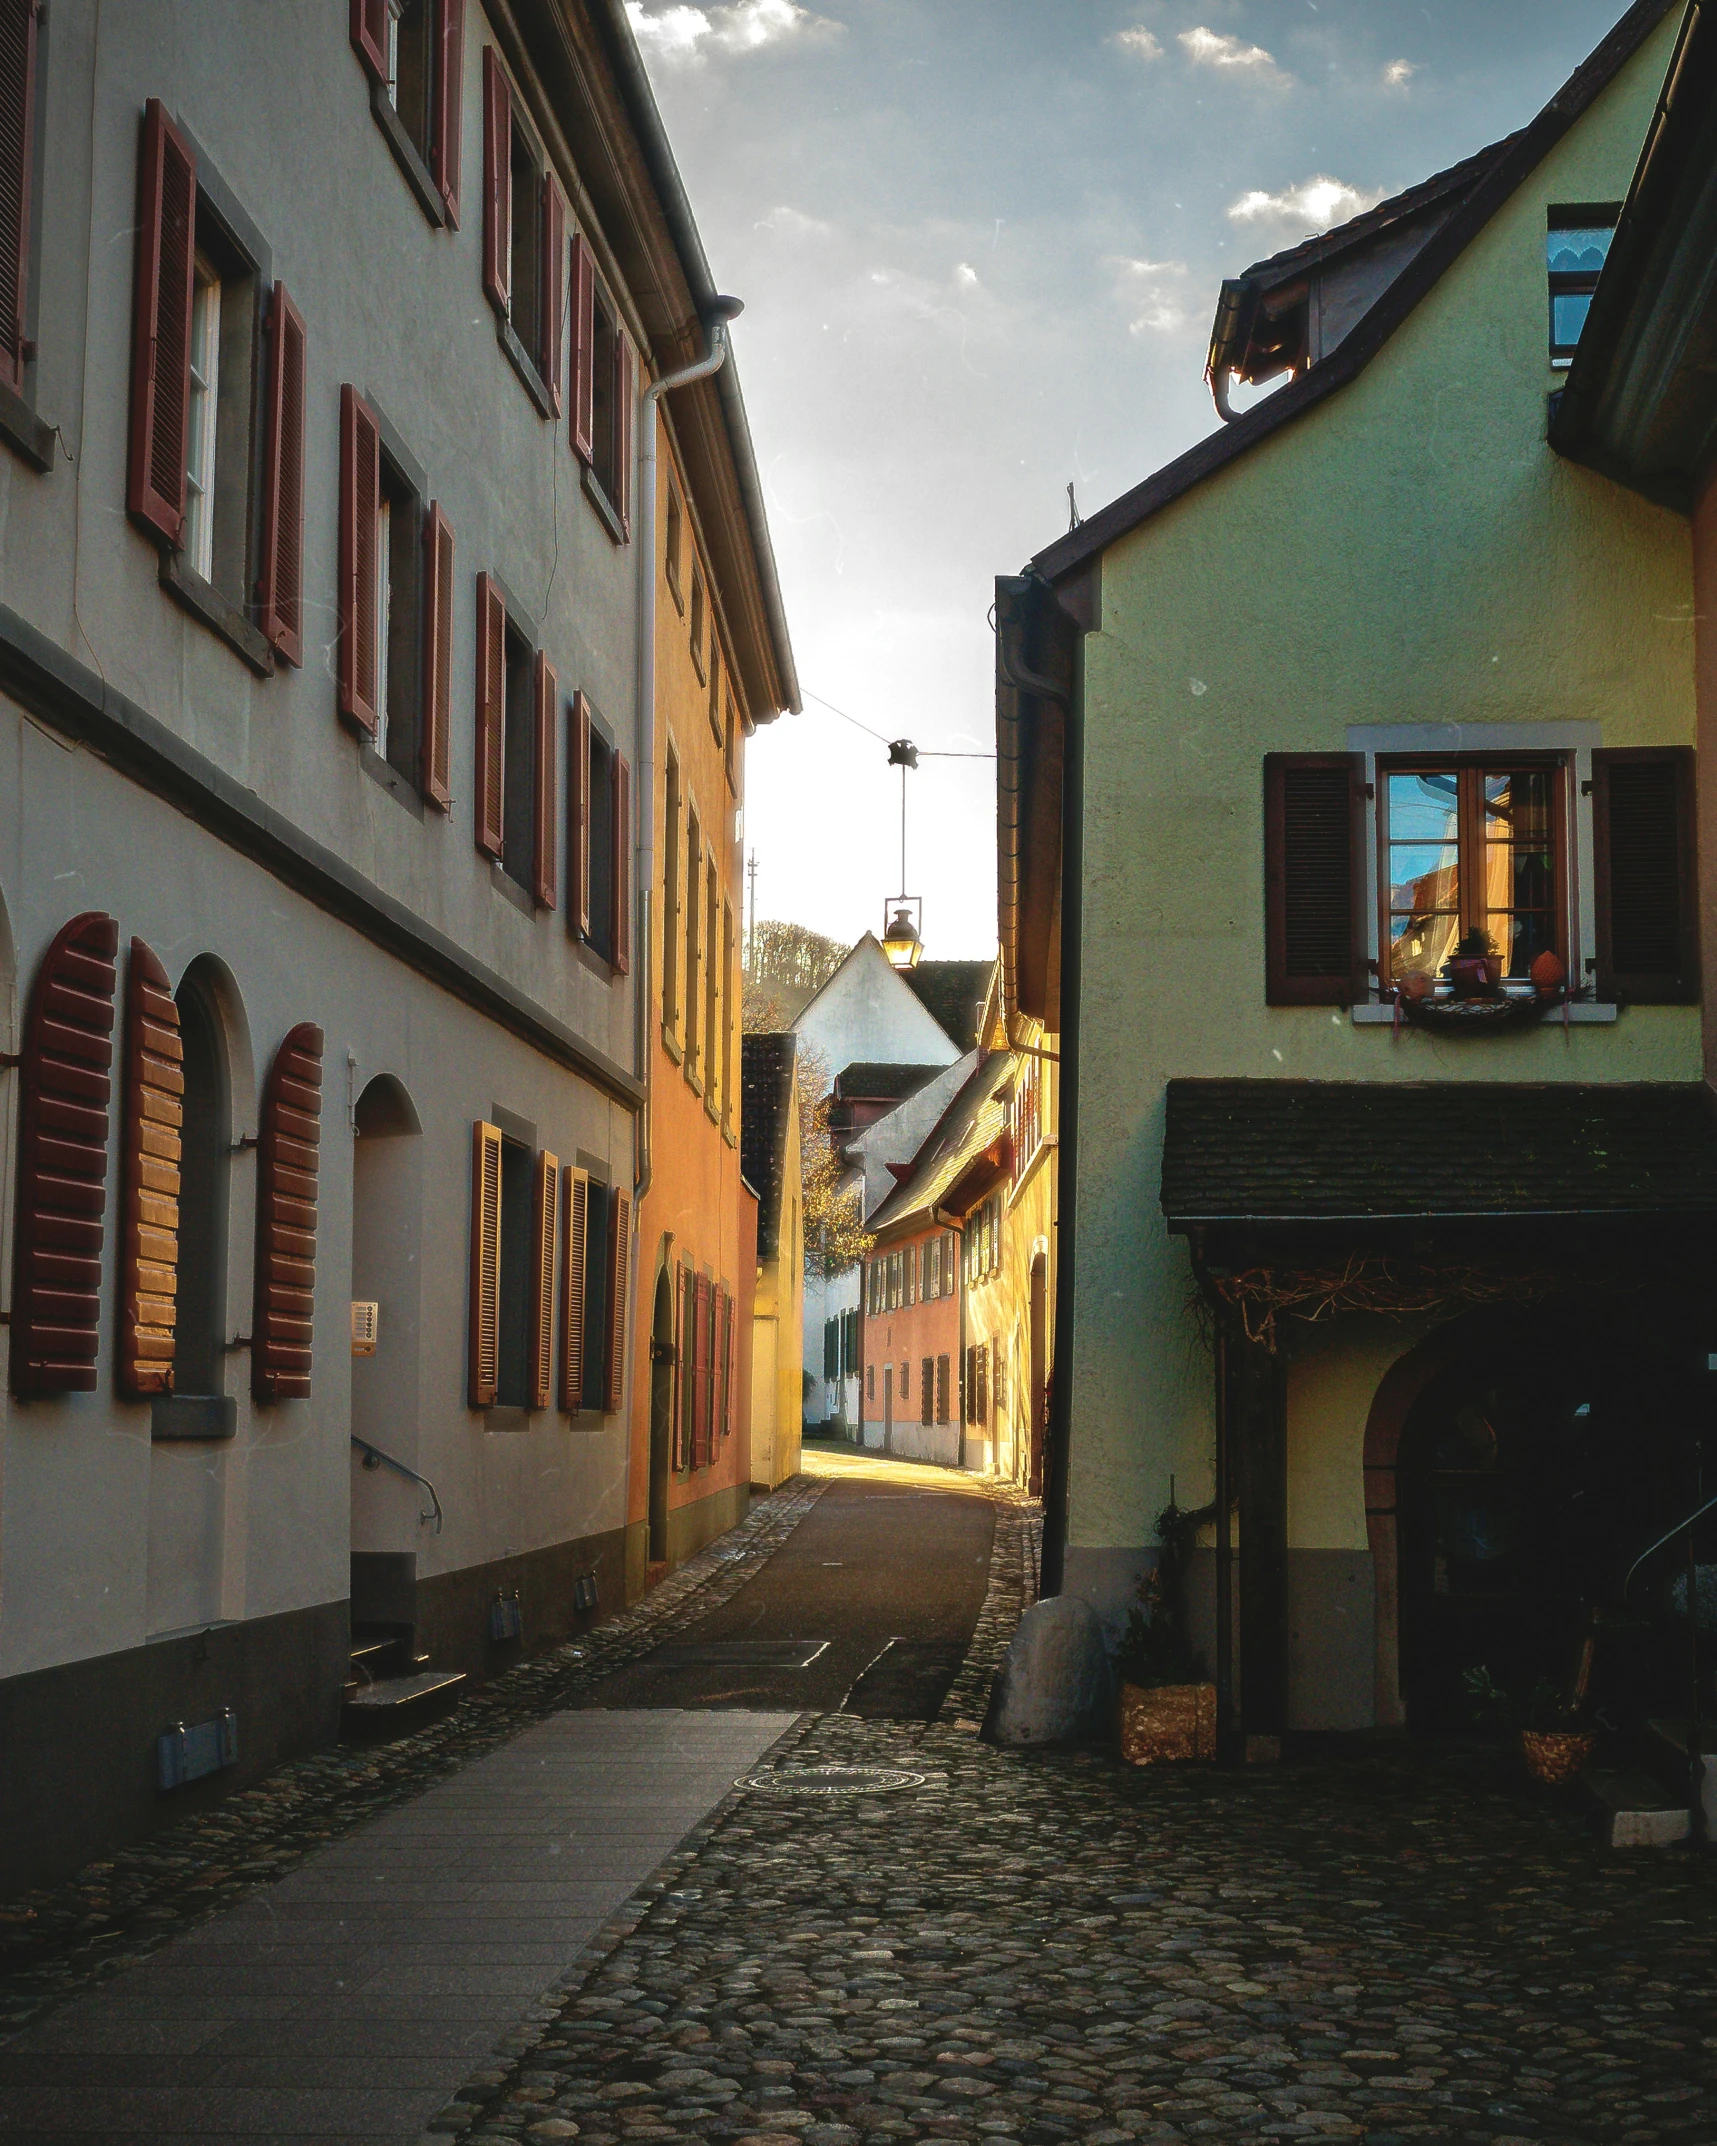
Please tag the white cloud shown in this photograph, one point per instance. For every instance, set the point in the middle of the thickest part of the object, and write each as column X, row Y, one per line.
column 1153, row 293
column 1210, row 48
column 966, row 276
column 1398, row 73
column 794, row 223
column 681, row 32
column 1314, row 205
column 1140, row 43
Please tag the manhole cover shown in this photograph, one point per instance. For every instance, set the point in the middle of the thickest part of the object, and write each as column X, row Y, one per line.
column 833, row 1781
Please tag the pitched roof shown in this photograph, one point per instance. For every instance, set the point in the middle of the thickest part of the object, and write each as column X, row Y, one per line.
column 1519, row 157
column 765, row 1114
column 870, row 1082
column 1264, row 1151
column 973, row 1121
column 953, row 993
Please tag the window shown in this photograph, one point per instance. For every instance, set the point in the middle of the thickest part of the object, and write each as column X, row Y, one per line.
column 694, row 915
column 933, row 1269
column 715, row 688
column 518, row 761
column 909, row 1275
column 1576, row 247
column 19, row 31
column 399, row 614
column 524, row 242
column 600, row 778
column 712, row 989
column 697, row 622
column 870, row 1382
column 1469, row 847
column 671, row 899
column 199, row 1345
column 512, row 1384
column 200, row 428
column 927, row 1390
column 596, row 1286
column 413, row 54
column 673, row 541
column 730, row 746
column 905, row 1375
column 998, row 1379
column 603, row 383
column 950, row 1271
column 941, row 1389
column 894, row 1281
column 831, row 1349
column 1025, row 1110
column 517, row 713
column 730, row 1007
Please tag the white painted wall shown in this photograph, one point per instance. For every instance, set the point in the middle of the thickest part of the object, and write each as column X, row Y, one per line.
column 865, row 1014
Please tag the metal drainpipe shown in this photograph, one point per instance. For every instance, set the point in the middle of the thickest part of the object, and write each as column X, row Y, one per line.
column 721, row 311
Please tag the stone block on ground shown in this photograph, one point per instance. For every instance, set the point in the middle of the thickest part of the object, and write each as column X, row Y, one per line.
column 1055, row 1685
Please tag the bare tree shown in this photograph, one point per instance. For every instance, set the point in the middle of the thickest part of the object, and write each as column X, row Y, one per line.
column 786, row 966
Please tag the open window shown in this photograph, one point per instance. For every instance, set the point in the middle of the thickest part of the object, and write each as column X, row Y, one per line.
column 413, row 53
column 603, row 388
column 1576, row 248
column 599, row 805
column 524, row 241
column 20, row 146
column 517, row 711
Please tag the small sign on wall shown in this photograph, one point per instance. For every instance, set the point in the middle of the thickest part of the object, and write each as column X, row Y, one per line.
column 366, row 1319
column 186, row 1754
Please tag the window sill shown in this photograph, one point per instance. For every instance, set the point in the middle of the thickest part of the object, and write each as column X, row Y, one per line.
column 507, row 1416
column 504, row 884
column 596, row 962
column 599, row 499
column 204, row 601
column 24, row 432
column 677, row 593
column 671, row 1044
column 524, row 365
column 405, row 155
column 711, row 1111
column 728, row 1133
column 694, row 1079
column 1582, row 1014
column 192, row 1415
column 699, row 666
column 387, row 777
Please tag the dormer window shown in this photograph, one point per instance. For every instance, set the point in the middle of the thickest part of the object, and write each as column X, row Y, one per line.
column 1576, row 247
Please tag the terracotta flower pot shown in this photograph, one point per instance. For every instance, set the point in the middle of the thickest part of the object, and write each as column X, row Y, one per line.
column 1168, row 1721
column 1555, row 1755
column 1469, row 975
column 1493, row 970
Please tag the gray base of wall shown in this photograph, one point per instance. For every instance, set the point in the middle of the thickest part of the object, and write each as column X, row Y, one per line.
column 1109, row 1581
column 1332, row 1633
column 77, row 1743
column 453, row 1607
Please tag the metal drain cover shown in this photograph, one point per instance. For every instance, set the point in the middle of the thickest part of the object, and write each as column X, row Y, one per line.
column 833, row 1781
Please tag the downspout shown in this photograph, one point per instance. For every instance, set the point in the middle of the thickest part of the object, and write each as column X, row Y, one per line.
column 719, row 313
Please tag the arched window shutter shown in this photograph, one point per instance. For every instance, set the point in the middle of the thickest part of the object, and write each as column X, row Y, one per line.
column 619, row 1268
column 436, row 772
column 360, row 502
column 485, row 1349
column 624, row 389
column 582, row 427
column 370, row 36
column 288, row 1165
column 18, row 29
column 150, row 1143
column 449, row 103
column 491, row 726
column 575, row 1228
column 64, row 1085
column 161, row 326
column 497, row 183
column 544, row 873
column 1314, row 879
column 541, row 1342
column 280, row 580
column 553, row 288
column 578, row 818
column 622, row 864
column 1645, row 852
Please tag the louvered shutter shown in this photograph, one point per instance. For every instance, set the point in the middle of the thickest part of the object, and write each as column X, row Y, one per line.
column 553, row 289
column 449, row 71
column 64, row 1085
column 435, row 773
column 700, row 1373
column 161, row 326
column 541, row 1325
column 355, row 666
column 485, row 1341
column 732, row 1355
column 622, row 859
column 287, row 1170
column 497, row 183
column 546, row 694
column 1314, row 879
column 575, row 1214
column 718, row 1362
column 1644, row 849
column 682, row 1368
column 491, row 727
column 624, row 390
column 619, row 1267
column 18, row 27
column 280, row 580
column 150, row 1148
column 578, row 820
column 583, row 428
column 370, row 36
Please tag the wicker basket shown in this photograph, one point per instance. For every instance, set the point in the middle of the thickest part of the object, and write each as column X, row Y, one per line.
column 1555, row 1755
column 1170, row 1721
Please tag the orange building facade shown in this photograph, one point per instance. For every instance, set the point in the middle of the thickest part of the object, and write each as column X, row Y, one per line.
column 912, row 1340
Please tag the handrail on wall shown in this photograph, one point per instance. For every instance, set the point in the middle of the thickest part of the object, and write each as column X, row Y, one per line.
column 1679, row 1528
column 374, row 1457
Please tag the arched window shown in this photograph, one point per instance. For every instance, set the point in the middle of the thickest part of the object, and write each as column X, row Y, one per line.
column 199, row 1353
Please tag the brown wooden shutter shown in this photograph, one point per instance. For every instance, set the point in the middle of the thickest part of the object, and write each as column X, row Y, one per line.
column 1644, row 848
column 700, row 1371
column 449, row 73
column 370, row 36
column 280, row 581
column 497, row 183
column 161, row 326
column 542, row 1279
column 553, row 289
column 287, row 1170
column 150, row 1147
column 544, row 872
column 583, row 425
column 357, row 649
column 578, row 819
column 730, row 1324
column 622, row 848
column 485, row 1343
column 623, row 393
column 619, row 1267
column 575, row 1229
column 1314, row 879
column 435, row 774
column 18, row 29
column 683, row 1323
column 491, row 712
column 64, row 1085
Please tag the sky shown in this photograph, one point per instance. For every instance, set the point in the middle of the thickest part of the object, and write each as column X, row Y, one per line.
column 979, row 244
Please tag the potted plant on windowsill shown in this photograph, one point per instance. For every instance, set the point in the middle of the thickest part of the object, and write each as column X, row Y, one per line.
column 1475, row 966
column 1167, row 1707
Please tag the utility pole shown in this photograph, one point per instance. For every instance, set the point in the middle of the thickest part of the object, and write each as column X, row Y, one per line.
column 751, row 935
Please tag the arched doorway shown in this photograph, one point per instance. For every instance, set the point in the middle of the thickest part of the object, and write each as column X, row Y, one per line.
column 387, row 1271
column 661, row 1414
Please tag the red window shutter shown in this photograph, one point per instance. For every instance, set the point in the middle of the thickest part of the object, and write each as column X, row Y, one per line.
column 553, row 288
column 700, row 1373
column 619, row 1247
column 544, row 875
column 624, row 390
column 161, row 326
column 575, row 1213
column 497, row 183
column 685, row 1329
column 449, row 92
column 583, row 428
column 370, row 36
column 578, row 819
column 356, row 667
column 280, row 582
column 485, row 1343
column 150, row 1143
column 732, row 1354
column 491, row 694
column 1645, row 852
column 18, row 27
column 541, row 1342
column 622, row 864
column 64, row 1085
column 1314, row 879
column 287, row 1170
column 435, row 773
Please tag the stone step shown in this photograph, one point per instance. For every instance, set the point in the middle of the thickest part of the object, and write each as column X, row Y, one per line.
column 1634, row 1809
column 1669, row 1742
column 395, row 1706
